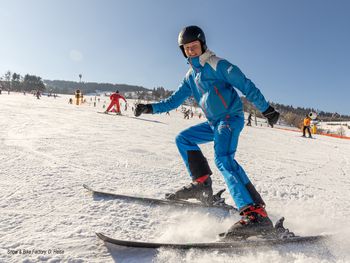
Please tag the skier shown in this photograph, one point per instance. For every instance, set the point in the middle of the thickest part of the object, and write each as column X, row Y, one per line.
column 38, row 94
column 187, row 114
column 307, row 122
column 115, row 101
column 211, row 81
column 249, row 123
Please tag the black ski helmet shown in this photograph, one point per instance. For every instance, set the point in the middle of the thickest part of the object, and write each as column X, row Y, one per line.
column 189, row 34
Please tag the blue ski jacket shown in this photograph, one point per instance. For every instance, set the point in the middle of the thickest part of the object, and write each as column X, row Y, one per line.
column 211, row 81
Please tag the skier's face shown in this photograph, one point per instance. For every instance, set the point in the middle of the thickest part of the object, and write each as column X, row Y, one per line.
column 193, row 49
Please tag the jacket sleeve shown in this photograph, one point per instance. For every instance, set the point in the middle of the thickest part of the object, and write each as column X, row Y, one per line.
column 122, row 97
column 233, row 75
column 175, row 100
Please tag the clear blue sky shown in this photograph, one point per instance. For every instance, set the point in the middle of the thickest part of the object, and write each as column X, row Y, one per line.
column 297, row 52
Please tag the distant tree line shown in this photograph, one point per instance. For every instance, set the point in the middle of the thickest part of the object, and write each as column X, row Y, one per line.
column 69, row 87
column 156, row 94
column 290, row 113
column 294, row 116
column 15, row 82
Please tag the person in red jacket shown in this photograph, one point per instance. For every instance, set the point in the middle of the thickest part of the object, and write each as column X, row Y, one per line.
column 115, row 101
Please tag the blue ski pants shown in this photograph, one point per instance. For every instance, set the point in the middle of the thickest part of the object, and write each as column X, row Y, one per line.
column 225, row 135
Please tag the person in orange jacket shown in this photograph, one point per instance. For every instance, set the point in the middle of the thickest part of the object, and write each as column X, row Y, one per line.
column 115, row 97
column 307, row 122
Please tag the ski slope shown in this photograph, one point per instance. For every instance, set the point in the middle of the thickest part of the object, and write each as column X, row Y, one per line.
column 49, row 148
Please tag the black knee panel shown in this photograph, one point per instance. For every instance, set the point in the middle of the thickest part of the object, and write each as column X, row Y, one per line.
column 198, row 164
column 257, row 199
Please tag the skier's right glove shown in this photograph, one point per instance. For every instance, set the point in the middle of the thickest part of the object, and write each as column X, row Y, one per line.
column 143, row 108
column 272, row 115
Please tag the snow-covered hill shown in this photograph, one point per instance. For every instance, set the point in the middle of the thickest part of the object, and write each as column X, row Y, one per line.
column 49, row 148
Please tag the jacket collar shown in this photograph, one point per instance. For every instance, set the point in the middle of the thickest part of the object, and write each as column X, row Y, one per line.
column 198, row 62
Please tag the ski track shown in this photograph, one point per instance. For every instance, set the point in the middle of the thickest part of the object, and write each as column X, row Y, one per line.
column 49, row 148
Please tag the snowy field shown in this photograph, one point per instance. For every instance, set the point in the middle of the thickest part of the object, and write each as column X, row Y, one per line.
column 49, row 148
column 340, row 128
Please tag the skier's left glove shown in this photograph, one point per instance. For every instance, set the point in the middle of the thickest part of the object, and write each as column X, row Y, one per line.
column 272, row 115
column 143, row 108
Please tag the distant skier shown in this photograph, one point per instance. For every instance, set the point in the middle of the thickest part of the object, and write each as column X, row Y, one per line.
column 306, row 126
column 186, row 114
column 38, row 94
column 115, row 97
column 249, row 123
column 211, row 81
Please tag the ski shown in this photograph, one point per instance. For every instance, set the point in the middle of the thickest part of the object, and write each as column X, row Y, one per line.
column 130, row 117
column 110, row 113
column 220, row 204
column 215, row 244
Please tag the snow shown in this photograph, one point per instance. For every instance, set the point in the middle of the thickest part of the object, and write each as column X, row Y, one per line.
column 340, row 128
column 49, row 148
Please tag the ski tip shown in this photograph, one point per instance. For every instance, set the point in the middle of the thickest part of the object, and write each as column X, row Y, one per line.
column 221, row 235
column 88, row 187
column 101, row 236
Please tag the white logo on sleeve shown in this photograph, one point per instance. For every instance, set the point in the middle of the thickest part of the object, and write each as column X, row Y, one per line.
column 229, row 69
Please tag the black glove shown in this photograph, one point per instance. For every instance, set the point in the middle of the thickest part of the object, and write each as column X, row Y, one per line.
column 272, row 115
column 143, row 108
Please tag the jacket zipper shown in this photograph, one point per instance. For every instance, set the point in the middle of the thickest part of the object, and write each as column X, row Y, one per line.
column 221, row 97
